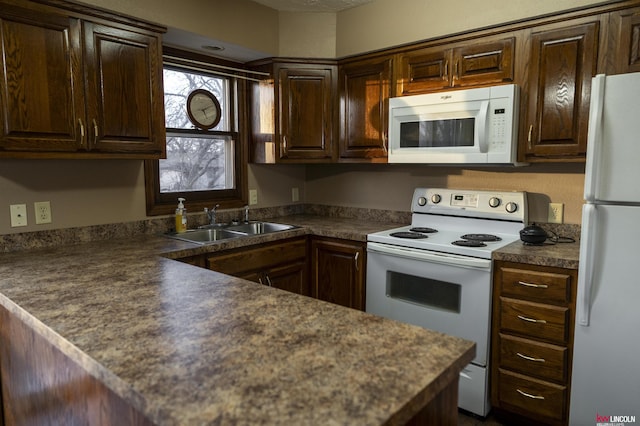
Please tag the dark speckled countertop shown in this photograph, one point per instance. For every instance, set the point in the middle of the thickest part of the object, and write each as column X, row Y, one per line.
column 188, row 346
column 561, row 255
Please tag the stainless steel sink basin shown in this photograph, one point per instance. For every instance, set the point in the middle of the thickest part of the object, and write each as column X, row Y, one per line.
column 254, row 228
column 203, row 236
column 210, row 234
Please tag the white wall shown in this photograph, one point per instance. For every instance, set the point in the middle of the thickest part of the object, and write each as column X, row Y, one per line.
column 390, row 186
column 385, row 23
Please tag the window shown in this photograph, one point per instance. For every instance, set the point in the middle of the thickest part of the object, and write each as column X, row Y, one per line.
column 204, row 166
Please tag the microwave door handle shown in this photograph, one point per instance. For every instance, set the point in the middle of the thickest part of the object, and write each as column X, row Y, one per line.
column 482, row 136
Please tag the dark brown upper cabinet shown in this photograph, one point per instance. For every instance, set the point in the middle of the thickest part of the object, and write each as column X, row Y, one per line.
column 364, row 99
column 471, row 63
column 562, row 62
column 294, row 115
column 625, row 29
column 74, row 88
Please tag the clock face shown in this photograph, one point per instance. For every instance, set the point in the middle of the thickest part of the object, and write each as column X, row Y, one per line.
column 203, row 109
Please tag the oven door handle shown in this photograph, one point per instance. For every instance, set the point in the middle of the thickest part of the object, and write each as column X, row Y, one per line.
column 430, row 256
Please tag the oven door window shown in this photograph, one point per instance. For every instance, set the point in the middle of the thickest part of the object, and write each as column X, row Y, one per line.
column 424, row 291
column 455, row 132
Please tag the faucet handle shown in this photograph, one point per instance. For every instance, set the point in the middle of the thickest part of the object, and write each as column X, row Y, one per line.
column 246, row 214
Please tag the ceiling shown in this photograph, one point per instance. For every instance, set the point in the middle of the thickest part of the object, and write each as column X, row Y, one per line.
column 311, row 5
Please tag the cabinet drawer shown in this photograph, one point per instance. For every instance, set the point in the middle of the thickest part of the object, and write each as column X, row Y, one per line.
column 253, row 259
column 533, row 358
column 535, row 320
column 536, row 397
column 548, row 287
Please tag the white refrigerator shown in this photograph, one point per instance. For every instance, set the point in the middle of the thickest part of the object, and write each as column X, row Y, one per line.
column 605, row 383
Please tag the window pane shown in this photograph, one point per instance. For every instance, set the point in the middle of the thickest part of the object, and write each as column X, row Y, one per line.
column 196, row 163
column 178, row 85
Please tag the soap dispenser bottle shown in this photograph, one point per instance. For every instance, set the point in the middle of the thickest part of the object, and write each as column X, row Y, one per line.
column 181, row 217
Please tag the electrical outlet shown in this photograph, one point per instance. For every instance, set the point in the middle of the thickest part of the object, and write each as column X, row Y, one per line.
column 253, row 196
column 43, row 212
column 556, row 213
column 295, row 194
column 18, row 215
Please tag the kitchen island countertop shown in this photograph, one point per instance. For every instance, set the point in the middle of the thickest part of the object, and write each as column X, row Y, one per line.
column 185, row 345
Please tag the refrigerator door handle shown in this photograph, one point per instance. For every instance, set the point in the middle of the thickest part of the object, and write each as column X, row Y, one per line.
column 594, row 136
column 586, row 266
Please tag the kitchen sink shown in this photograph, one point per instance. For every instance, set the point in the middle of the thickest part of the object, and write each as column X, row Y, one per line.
column 253, row 228
column 203, row 236
column 213, row 233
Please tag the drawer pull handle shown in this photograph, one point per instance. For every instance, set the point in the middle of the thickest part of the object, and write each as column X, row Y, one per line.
column 531, row 320
column 528, row 358
column 528, row 395
column 533, row 285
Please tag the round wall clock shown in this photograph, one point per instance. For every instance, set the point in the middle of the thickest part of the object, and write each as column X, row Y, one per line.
column 203, row 109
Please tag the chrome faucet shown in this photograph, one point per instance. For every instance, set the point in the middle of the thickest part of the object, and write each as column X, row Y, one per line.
column 246, row 214
column 211, row 214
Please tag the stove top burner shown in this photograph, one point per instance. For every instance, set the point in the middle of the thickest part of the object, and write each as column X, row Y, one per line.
column 423, row 230
column 410, row 235
column 469, row 243
column 481, row 237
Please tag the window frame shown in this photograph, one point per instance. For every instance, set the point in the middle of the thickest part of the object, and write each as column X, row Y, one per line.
column 158, row 203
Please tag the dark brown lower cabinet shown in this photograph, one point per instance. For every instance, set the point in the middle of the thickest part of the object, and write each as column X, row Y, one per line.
column 338, row 271
column 42, row 386
column 280, row 264
column 532, row 343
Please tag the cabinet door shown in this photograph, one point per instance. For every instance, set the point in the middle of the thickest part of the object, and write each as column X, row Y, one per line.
column 292, row 278
column 423, row 71
column 337, row 272
column 463, row 65
column 364, row 94
column 626, row 38
column 41, row 85
column 305, row 111
column 483, row 63
column 562, row 64
column 125, row 107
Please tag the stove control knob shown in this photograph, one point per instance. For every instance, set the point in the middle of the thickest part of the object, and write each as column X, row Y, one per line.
column 422, row 201
column 436, row 198
column 511, row 207
column 494, row 202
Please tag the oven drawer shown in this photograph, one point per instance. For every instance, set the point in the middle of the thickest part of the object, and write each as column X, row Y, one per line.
column 534, row 397
column 533, row 358
column 535, row 320
column 543, row 286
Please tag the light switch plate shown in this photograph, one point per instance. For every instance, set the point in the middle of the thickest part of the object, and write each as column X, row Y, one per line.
column 18, row 215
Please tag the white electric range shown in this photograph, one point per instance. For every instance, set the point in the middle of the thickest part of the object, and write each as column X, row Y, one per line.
column 436, row 272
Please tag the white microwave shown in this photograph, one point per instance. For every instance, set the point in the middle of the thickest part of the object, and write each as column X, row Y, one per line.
column 472, row 126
